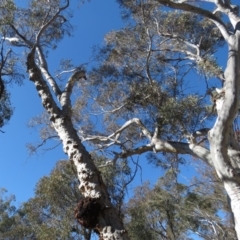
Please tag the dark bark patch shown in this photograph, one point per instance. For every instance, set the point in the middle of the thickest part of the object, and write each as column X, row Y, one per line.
column 87, row 212
column 1, row 87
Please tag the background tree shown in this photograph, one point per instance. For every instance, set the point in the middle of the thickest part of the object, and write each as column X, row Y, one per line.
column 10, row 70
column 6, row 211
column 172, row 210
column 169, row 210
column 50, row 211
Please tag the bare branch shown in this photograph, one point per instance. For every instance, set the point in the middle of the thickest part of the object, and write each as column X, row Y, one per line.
column 28, row 43
column 33, row 149
column 137, row 121
column 109, row 111
column 66, row 94
column 149, row 57
column 178, row 38
column 113, row 138
column 156, row 145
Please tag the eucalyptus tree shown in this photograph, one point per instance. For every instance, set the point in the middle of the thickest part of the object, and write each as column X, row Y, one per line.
column 36, row 29
column 140, row 90
column 6, row 211
column 223, row 150
column 143, row 82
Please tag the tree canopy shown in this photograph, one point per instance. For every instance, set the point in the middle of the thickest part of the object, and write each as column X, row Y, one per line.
column 142, row 90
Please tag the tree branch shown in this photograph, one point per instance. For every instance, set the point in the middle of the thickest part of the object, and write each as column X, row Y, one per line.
column 30, row 44
column 178, row 38
column 190, row 8
column 230, row 10
column 171, row 147
column 155, row 144
column 44, row 92
column 66, row 94
column 44, row 69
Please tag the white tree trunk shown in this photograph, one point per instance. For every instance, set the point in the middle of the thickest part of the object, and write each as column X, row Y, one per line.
column 226, row 166
column 104, row 219
column 233, row 191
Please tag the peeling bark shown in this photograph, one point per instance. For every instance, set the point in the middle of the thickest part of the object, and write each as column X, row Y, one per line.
column 108, row 222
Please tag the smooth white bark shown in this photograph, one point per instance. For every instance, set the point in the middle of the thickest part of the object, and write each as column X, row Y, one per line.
column 226, row 166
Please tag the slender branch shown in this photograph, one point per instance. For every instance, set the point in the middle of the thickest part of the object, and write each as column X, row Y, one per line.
column 34, row 149
column 137, row 121
column 109, row 111
column 178, row 38
column 44, row 69
column 149, row 57
column 30, row 44
column 156, row 131
column 113, row 138
column 189, row 55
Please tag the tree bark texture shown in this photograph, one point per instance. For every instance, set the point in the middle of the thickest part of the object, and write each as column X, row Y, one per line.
column 227, row 168
column 104, row 218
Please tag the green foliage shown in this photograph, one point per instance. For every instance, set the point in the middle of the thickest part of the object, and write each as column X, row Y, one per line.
column 144, row 71
column 6, row 211
column 6, row 110
column 7, row 9
column 171, row 210
column 50, row 212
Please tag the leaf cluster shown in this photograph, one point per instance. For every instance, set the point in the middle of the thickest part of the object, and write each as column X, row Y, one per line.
column 6, row 109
